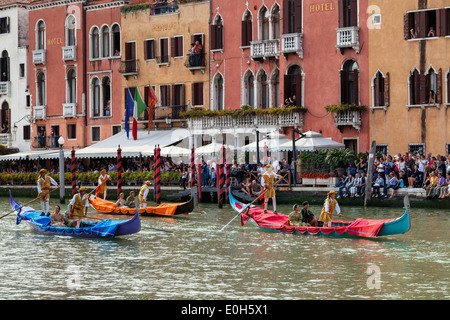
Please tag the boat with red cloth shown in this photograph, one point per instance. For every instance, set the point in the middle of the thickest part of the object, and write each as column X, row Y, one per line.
column 360, row 228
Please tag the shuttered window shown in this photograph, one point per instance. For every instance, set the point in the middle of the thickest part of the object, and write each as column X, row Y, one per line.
column 164, row 91
column 149, row 49
column 176, row 46
column 348, row 13
column 381, row 90
column 197, row 93
column 292, row 16
column 246, row 30
column 425, row 24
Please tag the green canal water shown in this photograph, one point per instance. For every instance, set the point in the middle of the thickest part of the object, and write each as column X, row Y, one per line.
column 196, row 261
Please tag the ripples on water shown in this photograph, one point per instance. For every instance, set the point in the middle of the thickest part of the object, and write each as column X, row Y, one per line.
column 198, row 262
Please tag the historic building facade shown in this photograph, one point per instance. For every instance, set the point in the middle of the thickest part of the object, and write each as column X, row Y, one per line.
column 14, row 94
column 156, row 53
column 410, row 76
column 74, row 79
column 315, row 53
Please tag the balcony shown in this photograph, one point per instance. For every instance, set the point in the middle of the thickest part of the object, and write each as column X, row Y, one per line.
column 5, row 140
column 292, row 43
column 40, row 113
column 69, row 53
column 348, row 38
column 69, row 110
column 169, row 113
column 264, row 49
column 348, row 118
column 39, row 56
column 129, row 67
column 196, row 61
column 159, row 8
column 268, row 120
column 5, row 88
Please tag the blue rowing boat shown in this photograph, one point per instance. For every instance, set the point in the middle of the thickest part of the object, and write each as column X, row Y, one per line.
column 360, row 228
column 102, row 229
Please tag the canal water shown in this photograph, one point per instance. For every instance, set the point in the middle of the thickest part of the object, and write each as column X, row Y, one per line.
column 196, row 261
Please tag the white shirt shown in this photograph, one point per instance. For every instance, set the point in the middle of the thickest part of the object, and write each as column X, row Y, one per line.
column 72, row 202
column 52, row 181
column 327, row 206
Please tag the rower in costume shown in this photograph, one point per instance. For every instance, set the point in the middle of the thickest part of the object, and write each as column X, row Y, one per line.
column 142, row 197
column 268, row 181
column 43, row 188
column 102, row 187
column 329, row 206
column 79, row 206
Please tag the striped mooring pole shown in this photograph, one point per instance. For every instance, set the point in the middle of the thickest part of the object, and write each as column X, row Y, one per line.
column 228, row 170
column 158, row 175
column 220, row 195
column 74, row 180
column 119, row 171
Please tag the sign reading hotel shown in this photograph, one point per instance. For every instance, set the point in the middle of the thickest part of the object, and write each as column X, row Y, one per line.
column 164, row 27
column 54, row 41
column 321, row 7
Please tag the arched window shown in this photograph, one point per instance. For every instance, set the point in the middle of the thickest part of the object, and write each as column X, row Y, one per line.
column 217, row 33
column 5, row 116
column 4, row 66
column 106, row 96
column 251, row 90
column 264, row 23
column 218, row 93
column 115, row 39
column 293, row 83
column 276, row 89
column 95, row 43
column 40, row 89
column 378, row 90
column 71, row 28
column 96, row 97
column 262, row 90
column 40, row 35
column 349, row 83
column 71, row 86
column 276, row 22
column 247, row 29
column 105, row 42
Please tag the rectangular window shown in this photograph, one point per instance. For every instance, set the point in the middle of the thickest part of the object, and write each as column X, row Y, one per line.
column 116, row 129
column 28, row 100
column 348, row 13
column 177, row 94
column 26, row 132
column 95, row 134
column 176, row 46
column 4, row 25
column 417, row 148
column 163, row 50
column 71, row 131
column 22, row 70
column 164, row 94
column 382, row 149
column 423, row 24
column 197, row 93
column 149, row 49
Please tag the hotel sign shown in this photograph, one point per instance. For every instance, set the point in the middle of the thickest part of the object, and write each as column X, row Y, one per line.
column 321, row 7
column 164, row 27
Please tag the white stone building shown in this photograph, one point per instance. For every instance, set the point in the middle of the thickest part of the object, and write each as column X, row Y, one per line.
column 15, row 101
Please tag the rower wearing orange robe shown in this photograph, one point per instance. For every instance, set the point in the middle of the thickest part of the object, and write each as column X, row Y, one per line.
column 102, row 187
column 329, row 206
column 268, row 181
column 43, row 188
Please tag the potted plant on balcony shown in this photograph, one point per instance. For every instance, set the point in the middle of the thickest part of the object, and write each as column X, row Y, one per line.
column 339, row 158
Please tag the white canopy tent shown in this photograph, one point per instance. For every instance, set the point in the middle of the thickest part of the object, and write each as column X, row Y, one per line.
column 34, row 155
column 171, row 151
column 273, row 142
column 311, row 142
column 211, row 148
column 144, row 145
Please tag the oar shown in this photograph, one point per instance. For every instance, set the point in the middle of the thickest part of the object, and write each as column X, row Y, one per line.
column 7, row 214
column 248, row 206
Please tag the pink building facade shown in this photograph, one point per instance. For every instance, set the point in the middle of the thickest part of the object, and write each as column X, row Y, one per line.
column 265, row 52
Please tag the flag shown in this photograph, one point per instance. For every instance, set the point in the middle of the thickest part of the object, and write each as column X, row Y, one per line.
column 152, row 100
column 129, row 108
column 139, row 107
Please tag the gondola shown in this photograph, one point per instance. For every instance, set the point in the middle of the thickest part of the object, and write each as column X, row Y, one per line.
column 164, row 209
column 360, row 228
column 102, row 229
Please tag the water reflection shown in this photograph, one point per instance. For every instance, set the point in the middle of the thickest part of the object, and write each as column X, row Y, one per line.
column 197, row 261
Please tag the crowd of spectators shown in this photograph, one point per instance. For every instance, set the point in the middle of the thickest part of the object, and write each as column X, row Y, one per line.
column 395, row 172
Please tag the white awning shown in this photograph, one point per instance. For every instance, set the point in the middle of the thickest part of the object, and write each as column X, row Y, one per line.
column 311, row 142
column 273, row 142
column 31, row 155
column 144, row 145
